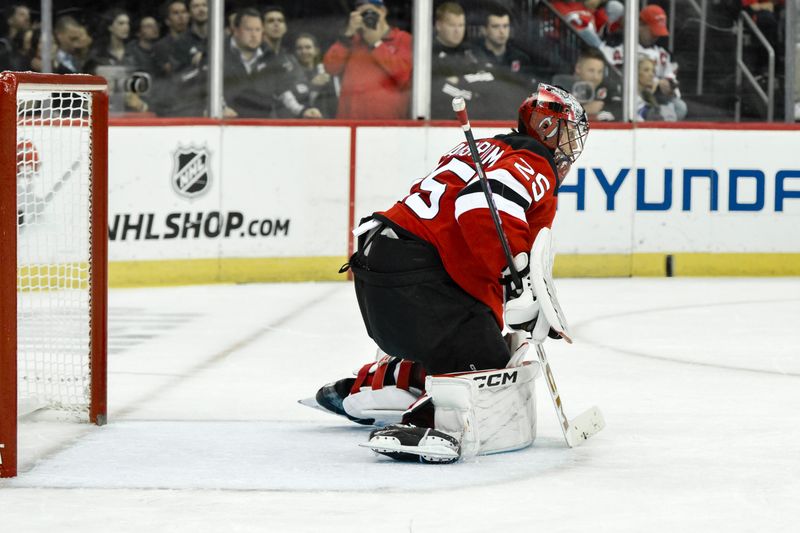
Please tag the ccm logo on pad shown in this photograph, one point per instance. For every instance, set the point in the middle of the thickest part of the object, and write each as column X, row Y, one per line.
column 497, row 379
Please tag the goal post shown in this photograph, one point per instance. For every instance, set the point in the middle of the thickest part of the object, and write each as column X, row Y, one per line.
column 53, row 249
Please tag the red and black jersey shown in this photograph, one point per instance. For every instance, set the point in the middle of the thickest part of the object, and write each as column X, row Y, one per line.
column 448, row 209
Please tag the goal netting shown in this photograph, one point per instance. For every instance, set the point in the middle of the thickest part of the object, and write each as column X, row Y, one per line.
column 59, row 160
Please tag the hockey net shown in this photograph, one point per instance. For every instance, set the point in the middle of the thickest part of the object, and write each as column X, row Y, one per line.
column 53, row 219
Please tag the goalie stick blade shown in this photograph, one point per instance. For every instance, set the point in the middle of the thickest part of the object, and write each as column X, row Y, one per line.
column 586, row 424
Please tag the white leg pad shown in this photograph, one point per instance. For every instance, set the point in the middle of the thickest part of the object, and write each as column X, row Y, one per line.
column 491, row 411
column 454, row 400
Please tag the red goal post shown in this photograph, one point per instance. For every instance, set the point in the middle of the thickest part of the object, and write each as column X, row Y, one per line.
column 53, row 249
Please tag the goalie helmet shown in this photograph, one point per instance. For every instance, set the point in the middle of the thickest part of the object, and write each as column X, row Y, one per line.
column 555, row 118
column 27, row 158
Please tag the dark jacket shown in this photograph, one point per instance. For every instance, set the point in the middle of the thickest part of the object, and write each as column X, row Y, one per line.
column 250, row 94
column 487, row 88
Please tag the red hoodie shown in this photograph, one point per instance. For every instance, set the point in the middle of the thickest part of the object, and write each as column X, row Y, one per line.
column 376, row 82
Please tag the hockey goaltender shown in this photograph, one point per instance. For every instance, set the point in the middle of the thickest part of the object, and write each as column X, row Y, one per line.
column 437, row 291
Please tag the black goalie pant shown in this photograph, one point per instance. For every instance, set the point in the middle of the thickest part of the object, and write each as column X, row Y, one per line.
column 414, row 310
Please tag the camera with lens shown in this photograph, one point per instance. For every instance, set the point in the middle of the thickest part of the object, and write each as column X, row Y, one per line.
column 138, row 83
column 583, row 91
column 121, row 80
column 370, row 18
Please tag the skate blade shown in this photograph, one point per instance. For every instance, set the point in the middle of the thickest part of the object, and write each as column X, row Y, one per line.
column 312, row 403
column 438, row 452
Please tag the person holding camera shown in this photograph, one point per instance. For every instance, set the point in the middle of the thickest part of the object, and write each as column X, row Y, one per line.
column 599, row 99
column 110, row 50
column 373, row 60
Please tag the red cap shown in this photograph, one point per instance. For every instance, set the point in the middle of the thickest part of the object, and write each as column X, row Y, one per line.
column 656, row 20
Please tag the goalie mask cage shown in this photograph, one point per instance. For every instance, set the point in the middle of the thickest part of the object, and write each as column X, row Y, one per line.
column 53, row 249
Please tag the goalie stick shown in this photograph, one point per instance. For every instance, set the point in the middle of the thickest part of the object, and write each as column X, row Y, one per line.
column 581, row 427
column 460, row 108
column 589, row 422
column 40, row 203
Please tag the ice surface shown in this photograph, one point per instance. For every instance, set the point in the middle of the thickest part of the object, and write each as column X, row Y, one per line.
column 699, row 381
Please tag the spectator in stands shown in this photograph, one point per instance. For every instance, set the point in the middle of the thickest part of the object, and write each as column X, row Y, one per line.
column 600, row 99
column 179, row 87
column 167, row 51
column 35, row 50
column 652, row 26
column 246, row 88
column 110, row 51
column 189, row 55
column 601, row 102
column 109, row 47
column 456, row 69
column 22, row 52
column 274, row 29
column 373, row 61
column 194, row 43
column 647, row 108
column 285, row 72
column 508, row 64
column 140, row 50
column 250, row 90
column 651, row 104
column 84, row 48
column 496, row 47
column 72, row 41
column 320, row 90
column 18, row 19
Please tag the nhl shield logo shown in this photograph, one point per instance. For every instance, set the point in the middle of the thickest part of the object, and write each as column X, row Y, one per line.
column 190, row 175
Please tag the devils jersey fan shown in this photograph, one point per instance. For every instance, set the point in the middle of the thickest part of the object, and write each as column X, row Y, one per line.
column 449, row 210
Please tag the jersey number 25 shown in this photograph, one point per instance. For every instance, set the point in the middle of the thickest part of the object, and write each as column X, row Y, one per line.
column 435, row 189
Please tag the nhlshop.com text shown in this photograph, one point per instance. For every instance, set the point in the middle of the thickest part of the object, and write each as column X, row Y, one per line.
column 210, row 225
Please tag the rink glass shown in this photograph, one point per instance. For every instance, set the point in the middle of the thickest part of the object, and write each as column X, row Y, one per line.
column 536, row 29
